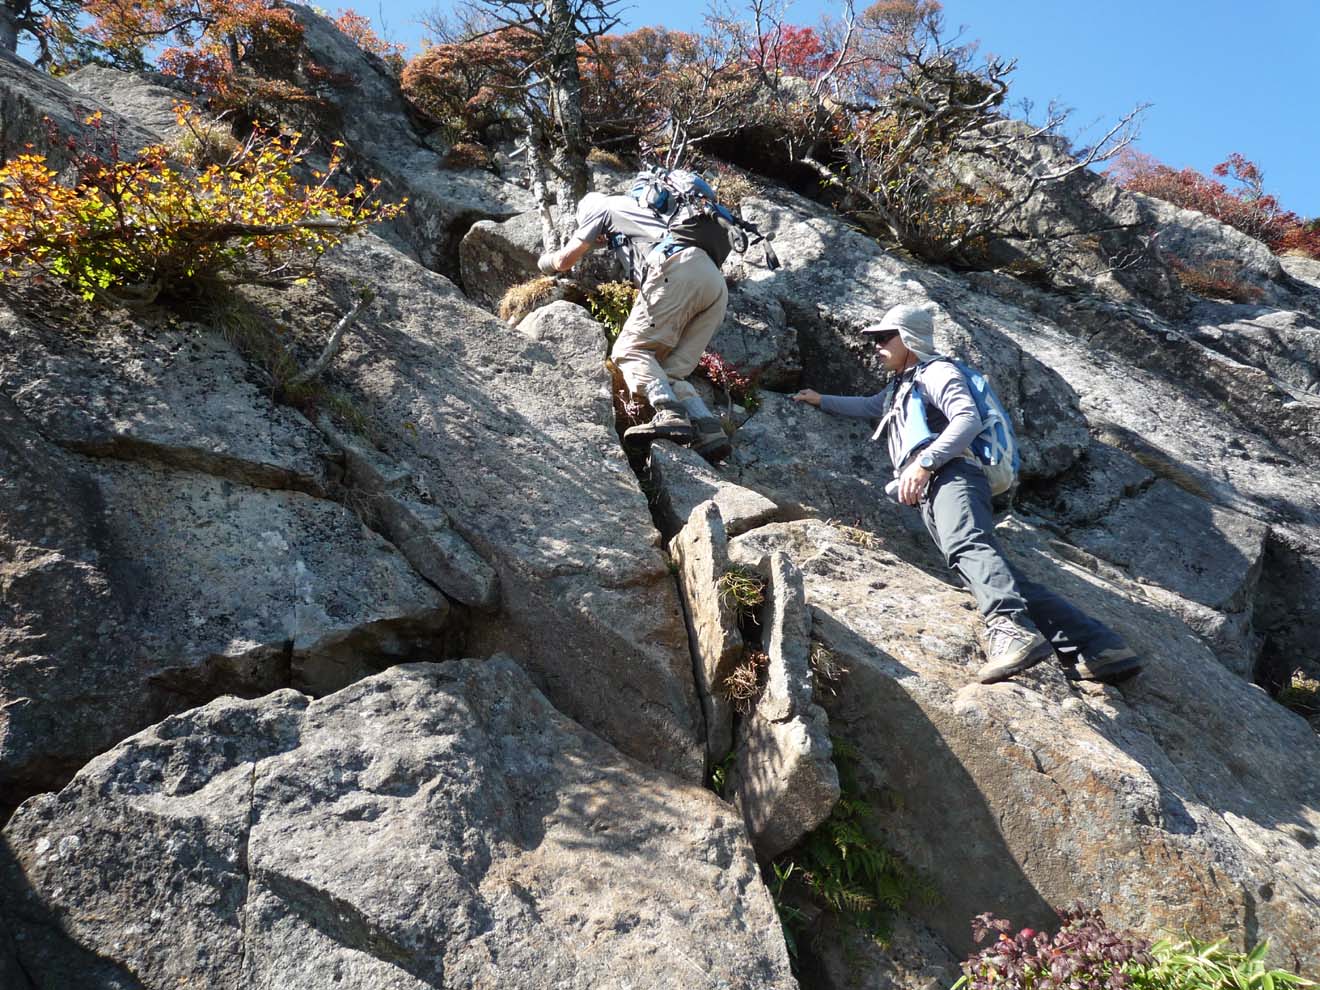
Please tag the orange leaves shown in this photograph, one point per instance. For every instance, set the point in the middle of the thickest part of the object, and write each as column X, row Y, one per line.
column 453, row 81
column 130, row 230
column 359, row 29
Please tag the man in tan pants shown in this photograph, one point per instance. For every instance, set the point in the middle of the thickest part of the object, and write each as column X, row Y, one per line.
column 680, row 304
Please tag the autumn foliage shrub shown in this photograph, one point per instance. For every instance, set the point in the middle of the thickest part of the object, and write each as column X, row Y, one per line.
column 1216, row 279
column 129, row 230
column 1245, row 206
column 467, row 85
column 358, row 28
column 726, row 376
column 235, row 51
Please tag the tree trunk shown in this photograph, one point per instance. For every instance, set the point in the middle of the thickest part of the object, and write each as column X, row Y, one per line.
column 550, row 239
column 572, row 178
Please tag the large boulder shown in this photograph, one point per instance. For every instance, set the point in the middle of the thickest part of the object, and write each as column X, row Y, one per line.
column 495, row 255
column 29, row 98
column 510, row 432
column 434, row 826
column 1018, row 797
column 1199, row 242
column 171, row 587
column 1077, row 232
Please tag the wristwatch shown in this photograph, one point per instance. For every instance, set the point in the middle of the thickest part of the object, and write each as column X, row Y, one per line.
column 927, row 462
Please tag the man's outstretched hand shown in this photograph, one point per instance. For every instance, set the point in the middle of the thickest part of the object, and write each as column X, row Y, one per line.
column 547, row 263
column 810, row 396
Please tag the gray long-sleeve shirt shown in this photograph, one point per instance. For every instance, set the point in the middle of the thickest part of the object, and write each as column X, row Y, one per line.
column 951, row 411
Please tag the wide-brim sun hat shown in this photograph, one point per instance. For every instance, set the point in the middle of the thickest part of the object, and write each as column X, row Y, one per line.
column 915, row 326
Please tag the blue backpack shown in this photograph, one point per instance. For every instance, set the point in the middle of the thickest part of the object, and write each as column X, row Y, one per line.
column 995, row 447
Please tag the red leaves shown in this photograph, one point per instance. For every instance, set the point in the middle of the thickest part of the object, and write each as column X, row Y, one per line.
column 797, row 51
column 1248, row 207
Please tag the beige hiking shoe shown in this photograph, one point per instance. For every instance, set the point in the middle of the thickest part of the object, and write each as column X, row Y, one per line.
column 1014, row 646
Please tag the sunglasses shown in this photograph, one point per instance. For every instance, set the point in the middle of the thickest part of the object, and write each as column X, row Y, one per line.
column 883, row 337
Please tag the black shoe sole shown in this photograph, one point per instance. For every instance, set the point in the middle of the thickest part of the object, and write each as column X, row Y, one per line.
column 644, row 434
column 1116, row 673
column 1029, row 661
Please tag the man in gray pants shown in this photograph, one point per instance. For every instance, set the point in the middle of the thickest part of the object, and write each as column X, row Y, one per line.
column 1025, row 621
column 680, row 304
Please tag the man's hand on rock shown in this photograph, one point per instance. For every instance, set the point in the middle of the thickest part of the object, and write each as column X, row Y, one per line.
column 912, row 484
column 548, row 263
column 810, row 396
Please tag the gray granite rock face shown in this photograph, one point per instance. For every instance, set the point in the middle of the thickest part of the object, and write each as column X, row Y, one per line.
column 177, row 394
column 174, row 586
column 1036, row 792
column 1209, row 555
column 434, row 826
column 510, row 432
column 784, row 779
column 701, row 553
column 1197, row 240
column 146, row 99
column 27, row 96
column 375, row 123
column 1283, row 342
column 683, row 480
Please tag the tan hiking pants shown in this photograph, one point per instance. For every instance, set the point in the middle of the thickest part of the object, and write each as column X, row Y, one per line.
column 680, row 306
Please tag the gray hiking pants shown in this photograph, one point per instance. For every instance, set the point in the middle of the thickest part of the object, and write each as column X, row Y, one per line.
column 958, row 515
column 680, row 306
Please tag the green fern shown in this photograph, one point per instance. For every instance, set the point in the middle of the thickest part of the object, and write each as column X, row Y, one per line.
column 844, row 869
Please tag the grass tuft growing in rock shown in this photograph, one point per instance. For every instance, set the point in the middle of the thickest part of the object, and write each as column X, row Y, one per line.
column 526, row 297
column 746, row 681
column 743, row 591
column 610, row 303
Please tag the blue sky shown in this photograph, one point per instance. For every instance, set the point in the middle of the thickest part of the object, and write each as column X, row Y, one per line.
column 1223, row 76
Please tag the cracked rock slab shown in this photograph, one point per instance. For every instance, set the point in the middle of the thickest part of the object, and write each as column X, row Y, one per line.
column 178, row 393
column 436, row 826
column 173, row 587
column 701, row 552
column 683, row 480
column 510, row 431
column 784, row 778
column 1045, row 792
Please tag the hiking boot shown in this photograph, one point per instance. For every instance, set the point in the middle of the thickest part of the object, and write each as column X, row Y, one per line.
column 1108, row 666
column 1014, row 645
column 666, row 424
column 711, row 441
